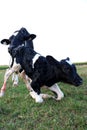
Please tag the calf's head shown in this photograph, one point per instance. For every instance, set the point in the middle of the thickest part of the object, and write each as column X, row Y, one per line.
column 18, row 38
column 69, row 73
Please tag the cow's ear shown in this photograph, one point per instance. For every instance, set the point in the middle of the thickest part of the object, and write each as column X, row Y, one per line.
column 32, row 36
column 5, row 41
column 68, row 58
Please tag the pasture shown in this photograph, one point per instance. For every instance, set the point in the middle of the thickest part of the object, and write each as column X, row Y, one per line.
column 18, row 111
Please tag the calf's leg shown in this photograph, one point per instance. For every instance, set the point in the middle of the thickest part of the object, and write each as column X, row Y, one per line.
column 15, row 79
column 26, row 80
column 9, row 72
column 36, row 91
column 55, row 88
column 38, row 98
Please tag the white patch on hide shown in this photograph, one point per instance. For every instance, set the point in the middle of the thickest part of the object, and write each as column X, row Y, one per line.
column 35, row 58
column 4, row 43
column 69, row 62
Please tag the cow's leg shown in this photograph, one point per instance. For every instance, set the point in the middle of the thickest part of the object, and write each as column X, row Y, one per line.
column 6, row 77
column 55, row 88
column 44, row 96
column 26, row 80
column 15, row 79
column 38, row 97
column 35, row 84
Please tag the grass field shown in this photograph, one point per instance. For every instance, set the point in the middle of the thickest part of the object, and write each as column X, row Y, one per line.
column 18, row 111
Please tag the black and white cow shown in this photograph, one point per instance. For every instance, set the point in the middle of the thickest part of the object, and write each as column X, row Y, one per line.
column 44, row 71
column 14, row 65
column 12, row 61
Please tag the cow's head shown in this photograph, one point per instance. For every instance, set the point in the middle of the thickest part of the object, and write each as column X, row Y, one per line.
column 18, row 38
column 69, row 73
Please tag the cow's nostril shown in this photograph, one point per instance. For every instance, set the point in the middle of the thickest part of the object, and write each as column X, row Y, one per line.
column 81, row 81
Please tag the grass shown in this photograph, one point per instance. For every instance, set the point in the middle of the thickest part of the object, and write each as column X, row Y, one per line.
column 18, row 111
column 3, row 67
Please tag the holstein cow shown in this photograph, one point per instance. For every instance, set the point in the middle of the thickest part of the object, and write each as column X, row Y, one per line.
column 14, row 67
column 14, row 75
column 44, row 71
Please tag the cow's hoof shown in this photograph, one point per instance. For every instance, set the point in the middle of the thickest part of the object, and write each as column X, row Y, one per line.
column 15, row 84
column 37, row 97
column 1, row 93
column 60, row 97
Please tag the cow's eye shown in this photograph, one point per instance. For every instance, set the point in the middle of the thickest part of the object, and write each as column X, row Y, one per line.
column 66, row 69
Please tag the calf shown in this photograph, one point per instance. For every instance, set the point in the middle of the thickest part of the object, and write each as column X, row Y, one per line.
column 14, row 67
column 15, row 75
column 45, row 71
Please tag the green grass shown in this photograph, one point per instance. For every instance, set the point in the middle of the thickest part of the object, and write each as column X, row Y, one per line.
column 18, row 111
column 3, row 67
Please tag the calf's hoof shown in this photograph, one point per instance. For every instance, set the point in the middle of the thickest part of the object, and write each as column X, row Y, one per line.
column 60, row 97
column 1, row 93
column 15, row 84
column 38, row 98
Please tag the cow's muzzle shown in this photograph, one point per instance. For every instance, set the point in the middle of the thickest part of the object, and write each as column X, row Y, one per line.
column 78, row 81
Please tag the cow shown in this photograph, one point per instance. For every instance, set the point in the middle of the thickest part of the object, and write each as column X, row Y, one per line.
column 14, row 75
column 8, row 72
column 44, row 71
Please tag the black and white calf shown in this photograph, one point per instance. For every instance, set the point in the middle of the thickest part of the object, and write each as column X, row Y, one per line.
column 14, row 75
column 45, row 71
column 14, row 67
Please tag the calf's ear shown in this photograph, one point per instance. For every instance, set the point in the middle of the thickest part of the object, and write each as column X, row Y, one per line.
column 32, row 36
column 67, row 58
column 5, row 41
